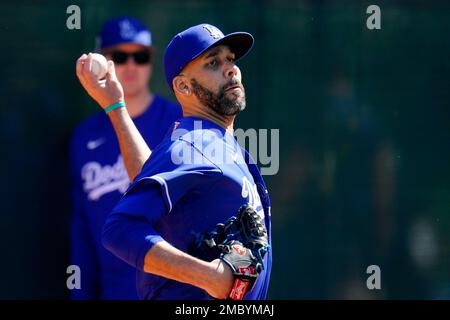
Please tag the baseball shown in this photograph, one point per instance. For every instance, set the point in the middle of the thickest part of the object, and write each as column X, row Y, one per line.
column 99, row 65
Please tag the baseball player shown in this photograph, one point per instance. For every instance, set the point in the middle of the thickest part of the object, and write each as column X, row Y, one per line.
column 97, row 166
column 194, row 182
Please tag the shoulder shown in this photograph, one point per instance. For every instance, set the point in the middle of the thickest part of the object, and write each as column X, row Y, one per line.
column 197, row 136
column 177, row 155
column 211, row 144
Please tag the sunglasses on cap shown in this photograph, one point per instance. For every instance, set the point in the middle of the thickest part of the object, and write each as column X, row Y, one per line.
column 140, row 57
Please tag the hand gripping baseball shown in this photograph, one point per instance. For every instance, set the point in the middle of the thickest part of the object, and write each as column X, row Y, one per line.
column 106, row 92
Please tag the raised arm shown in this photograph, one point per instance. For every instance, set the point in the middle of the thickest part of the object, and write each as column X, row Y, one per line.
column 134, row 149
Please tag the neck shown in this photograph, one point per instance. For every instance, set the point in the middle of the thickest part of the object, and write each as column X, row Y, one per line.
column 137, row 104
column 203, row 112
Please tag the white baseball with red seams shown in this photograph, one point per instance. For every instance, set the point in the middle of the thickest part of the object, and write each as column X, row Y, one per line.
column 99, row 65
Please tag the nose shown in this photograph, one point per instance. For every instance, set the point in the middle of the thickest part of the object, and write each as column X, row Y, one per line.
column 231, row 70
column 130, row 61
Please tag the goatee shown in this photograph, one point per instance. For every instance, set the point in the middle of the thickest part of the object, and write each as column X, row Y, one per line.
column 224, row 104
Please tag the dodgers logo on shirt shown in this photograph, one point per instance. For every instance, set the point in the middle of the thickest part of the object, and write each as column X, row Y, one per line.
column 100, row 180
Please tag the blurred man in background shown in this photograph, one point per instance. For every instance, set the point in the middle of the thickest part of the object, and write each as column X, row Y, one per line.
column 99, row 177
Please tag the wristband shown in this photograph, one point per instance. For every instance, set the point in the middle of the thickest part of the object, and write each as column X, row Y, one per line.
column 119, row 104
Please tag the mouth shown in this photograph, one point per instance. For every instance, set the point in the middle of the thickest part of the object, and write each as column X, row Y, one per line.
column 128, row 76
column 233, row 87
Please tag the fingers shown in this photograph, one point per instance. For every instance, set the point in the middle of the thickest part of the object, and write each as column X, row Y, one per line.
column 83, row 70
column 88, row 75
column 79, row 67
column 102, row 91
column 111, row 74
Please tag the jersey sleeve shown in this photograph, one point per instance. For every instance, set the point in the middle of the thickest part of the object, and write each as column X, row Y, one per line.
column 130, row 231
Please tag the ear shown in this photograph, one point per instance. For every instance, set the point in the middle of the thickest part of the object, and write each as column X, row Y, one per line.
column 181, row 85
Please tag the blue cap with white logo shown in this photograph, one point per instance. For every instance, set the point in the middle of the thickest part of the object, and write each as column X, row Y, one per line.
column 122, row 30
column 192, row 42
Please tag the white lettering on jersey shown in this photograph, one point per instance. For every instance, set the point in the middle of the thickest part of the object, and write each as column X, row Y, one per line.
column 250, row 191
column 99, row 180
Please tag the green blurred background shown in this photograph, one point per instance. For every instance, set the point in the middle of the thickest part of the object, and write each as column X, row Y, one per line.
column 364, row 126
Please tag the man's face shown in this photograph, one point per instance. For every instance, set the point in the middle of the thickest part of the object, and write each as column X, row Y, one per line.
column 133, row 72
column 216, row 81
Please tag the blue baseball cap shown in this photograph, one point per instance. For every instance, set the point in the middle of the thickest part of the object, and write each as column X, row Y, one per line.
column 192, row 42
column 122, row 30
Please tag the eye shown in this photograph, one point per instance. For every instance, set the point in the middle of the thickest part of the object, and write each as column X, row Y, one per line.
column 212, row 63
column 231, row 59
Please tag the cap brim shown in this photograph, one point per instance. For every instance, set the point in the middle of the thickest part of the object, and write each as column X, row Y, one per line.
column 240, row 44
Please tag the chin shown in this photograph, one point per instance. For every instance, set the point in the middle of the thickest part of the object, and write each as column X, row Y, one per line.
column 131, row 90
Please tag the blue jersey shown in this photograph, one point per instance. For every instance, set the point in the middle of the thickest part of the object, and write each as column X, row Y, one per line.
column 197, row 177
column 99, row 180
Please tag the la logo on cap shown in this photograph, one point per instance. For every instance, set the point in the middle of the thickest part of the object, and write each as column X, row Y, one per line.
column 127, row 30
column 213, row 31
